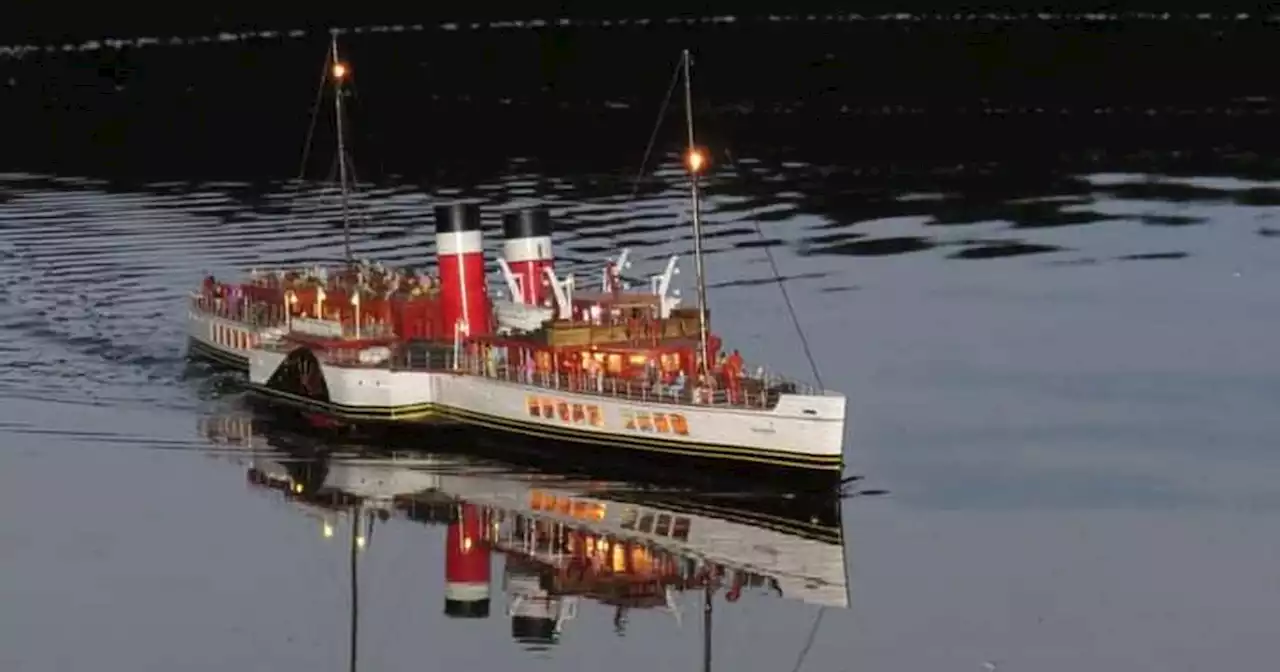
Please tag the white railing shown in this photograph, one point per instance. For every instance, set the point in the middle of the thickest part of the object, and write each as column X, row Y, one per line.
column 754, row 391
column 256, row 314
column 750, row 392
column 260, row 314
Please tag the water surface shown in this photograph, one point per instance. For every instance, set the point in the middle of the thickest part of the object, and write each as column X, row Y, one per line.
column 1063, row 373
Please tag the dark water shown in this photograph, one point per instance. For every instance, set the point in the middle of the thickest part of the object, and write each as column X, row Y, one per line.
column 1061, row 367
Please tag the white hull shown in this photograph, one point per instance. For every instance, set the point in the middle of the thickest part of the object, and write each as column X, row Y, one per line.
column 225, row 340
column 799, row 431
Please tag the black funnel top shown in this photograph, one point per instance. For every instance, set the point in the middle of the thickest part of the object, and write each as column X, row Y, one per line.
column 464, row 609
column 527, row 223
column 457, row 217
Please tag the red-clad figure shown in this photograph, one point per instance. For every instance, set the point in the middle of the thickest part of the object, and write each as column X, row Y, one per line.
column 733, row 376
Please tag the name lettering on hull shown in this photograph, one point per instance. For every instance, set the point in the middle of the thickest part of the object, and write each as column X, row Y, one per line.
column 569, row 413
column 661, row 423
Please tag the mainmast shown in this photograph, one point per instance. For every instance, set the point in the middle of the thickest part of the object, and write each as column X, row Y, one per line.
column 339, row 74
column 696, row 162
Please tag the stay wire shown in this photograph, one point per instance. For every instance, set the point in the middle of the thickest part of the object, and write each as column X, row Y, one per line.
column 315, row 115
column 653, row 135
column 653, row 139
column 311, row 131
column 782, row 287
column 808, row 644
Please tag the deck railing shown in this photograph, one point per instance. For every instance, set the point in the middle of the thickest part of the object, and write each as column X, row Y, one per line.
column 255, row 314
column 263, row 316
column 755, row 391
column 759, row 390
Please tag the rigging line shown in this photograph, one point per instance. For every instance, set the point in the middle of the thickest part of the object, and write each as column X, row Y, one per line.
column 808, row 644
column 653, row 135
column 782, row 287
column 311, row 130
column 315, row 115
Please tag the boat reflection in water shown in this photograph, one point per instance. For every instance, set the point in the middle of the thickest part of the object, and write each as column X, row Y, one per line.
column 562, row 540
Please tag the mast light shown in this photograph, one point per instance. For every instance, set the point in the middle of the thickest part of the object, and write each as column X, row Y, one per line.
column 695, row 160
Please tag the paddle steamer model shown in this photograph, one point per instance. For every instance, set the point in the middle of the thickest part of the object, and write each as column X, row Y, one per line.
column 616, row 367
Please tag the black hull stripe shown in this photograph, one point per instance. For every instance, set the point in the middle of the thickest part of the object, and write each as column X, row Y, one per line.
column 197, row 349
column 420, row 412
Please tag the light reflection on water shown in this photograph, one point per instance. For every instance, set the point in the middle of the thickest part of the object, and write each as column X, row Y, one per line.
column 1067, row 393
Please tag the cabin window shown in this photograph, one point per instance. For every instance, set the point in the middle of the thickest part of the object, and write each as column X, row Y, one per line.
column 563, row 408
column 541, row 501
column 664, row 525
column 588, row 511
column 594, row 416
column 578, row 414
column 679, row 425
column 615, row 364
column 646, row 523
column 660, row 423
column 681, row 530
column 641, row 561
column 639, row 360
column 543, row 361
column 548, row 409
column 629, row 516
column 535, row 406
column 670, row 362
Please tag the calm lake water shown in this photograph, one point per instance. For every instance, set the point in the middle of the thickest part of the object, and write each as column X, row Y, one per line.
column 1065, row 381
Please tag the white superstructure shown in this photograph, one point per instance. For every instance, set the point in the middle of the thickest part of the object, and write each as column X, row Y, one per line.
column 787, row 429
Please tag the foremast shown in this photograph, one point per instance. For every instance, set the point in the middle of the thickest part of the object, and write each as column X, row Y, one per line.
column 695, row 162
column 338, row 70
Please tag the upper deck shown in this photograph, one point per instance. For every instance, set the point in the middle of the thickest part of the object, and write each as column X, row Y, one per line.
column 357, row 301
